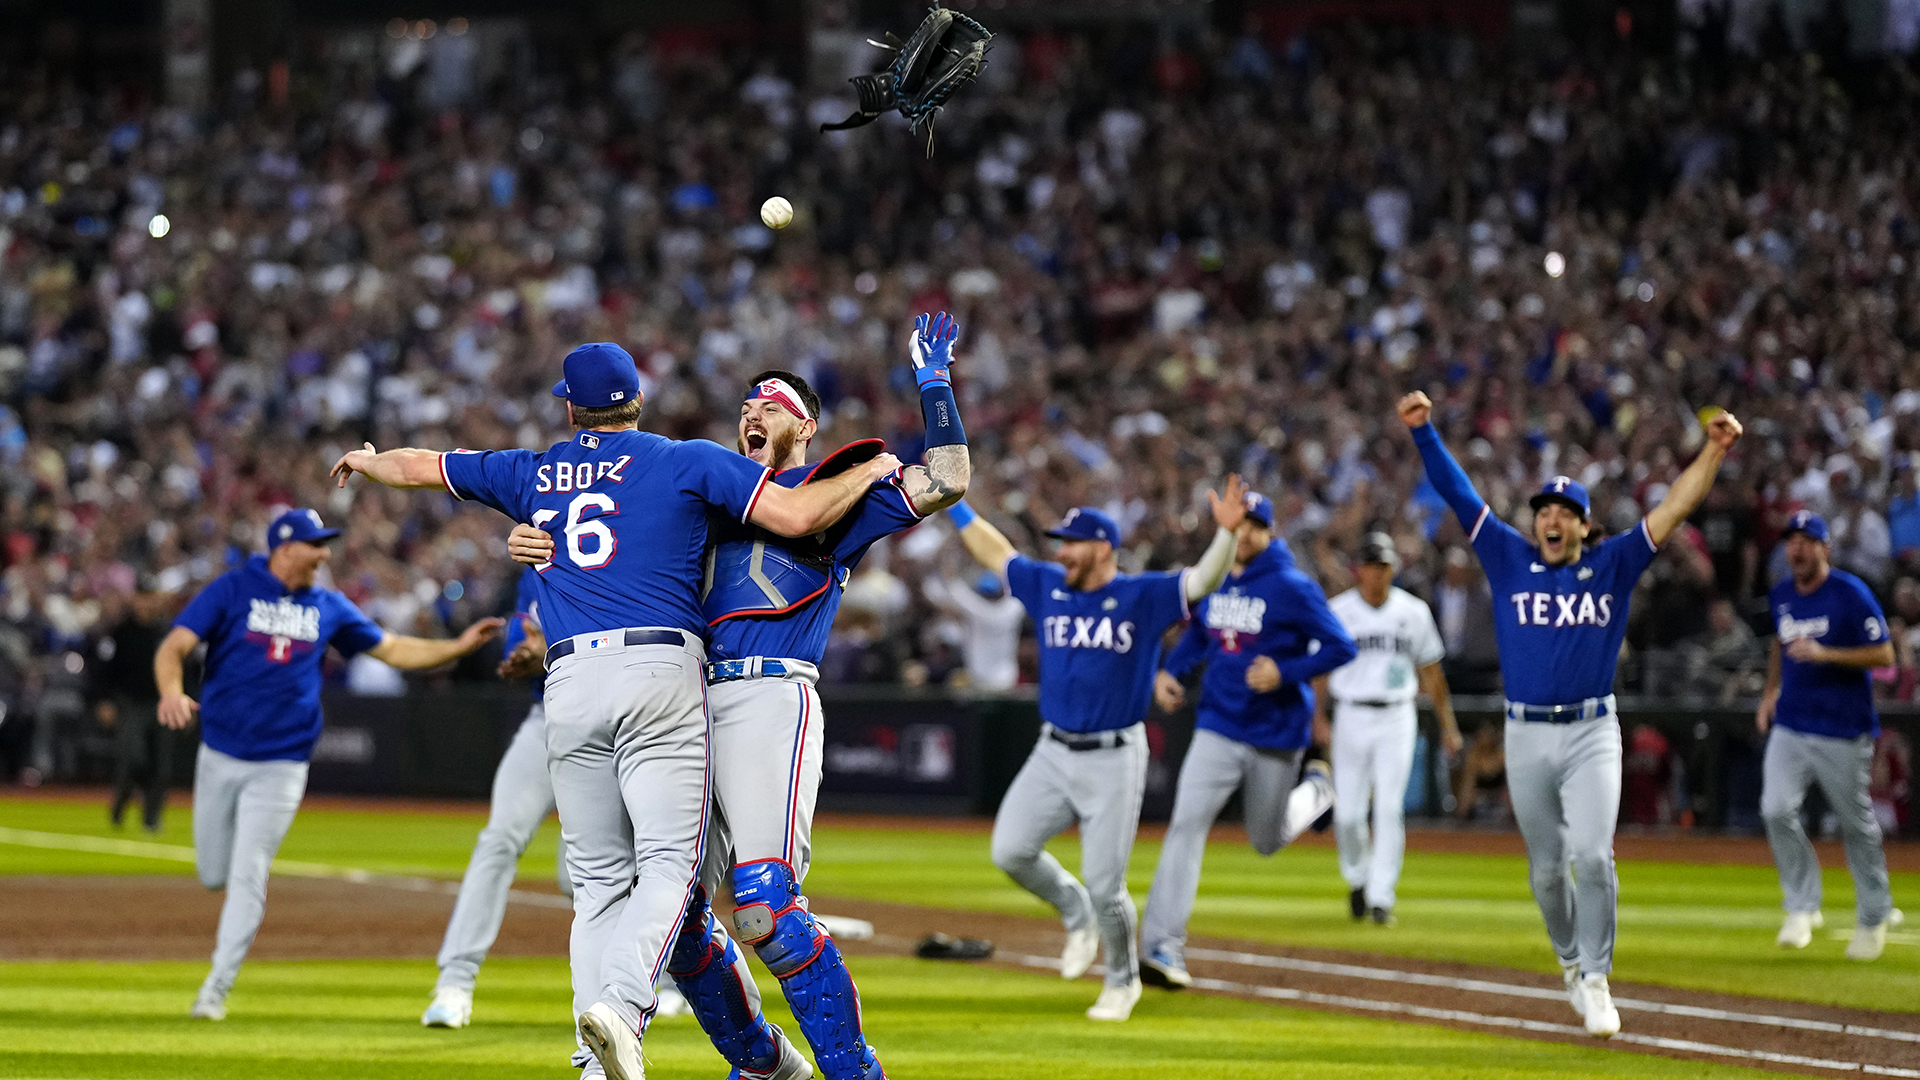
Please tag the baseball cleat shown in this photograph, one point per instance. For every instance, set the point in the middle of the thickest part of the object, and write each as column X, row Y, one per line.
column 1870, row 941
column 452, row 1008
column 1082, row 947
column 669, row 1001
column 208, row 1006
column 789, row 1066
column 1603, row 1020
column 612, row 1043
column 1576, row 996
column 1308, row 801
column 1357, row 904
column 1164, row 968
column 1382, row 917
column 1797, row 931
column 1115, row 1002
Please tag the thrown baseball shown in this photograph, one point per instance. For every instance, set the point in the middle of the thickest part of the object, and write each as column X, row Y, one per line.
column 776, row 212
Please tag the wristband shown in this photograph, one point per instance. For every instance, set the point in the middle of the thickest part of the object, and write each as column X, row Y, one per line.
column 942, row 413
column 962, row 514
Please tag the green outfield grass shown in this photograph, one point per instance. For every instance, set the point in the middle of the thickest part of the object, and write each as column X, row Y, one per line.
column 360, row 1019
column 1703, row 927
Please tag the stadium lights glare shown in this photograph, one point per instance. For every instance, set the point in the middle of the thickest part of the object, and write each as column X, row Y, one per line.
column 1556, row 264
column 159, row 226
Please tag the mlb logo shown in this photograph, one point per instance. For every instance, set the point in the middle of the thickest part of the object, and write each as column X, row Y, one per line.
column 617, row 395
column 589, row 440
column 601, row 642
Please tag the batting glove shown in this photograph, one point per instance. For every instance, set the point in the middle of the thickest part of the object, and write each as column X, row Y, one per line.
column 932, row 348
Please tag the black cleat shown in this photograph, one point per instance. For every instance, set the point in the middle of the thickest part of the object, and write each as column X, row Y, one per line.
column 1382, row 916
column 1357, row 903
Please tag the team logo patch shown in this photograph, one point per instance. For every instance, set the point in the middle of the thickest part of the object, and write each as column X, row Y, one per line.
column 1110, row 604
column 1585, row 573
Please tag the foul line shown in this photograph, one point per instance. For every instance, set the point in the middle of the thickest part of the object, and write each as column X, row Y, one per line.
column 1492, row 1020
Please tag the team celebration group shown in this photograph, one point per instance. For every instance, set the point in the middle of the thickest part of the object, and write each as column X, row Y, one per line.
column 675, row 609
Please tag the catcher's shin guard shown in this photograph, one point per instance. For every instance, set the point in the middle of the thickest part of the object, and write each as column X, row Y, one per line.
column 768, row 916
column 708, row 970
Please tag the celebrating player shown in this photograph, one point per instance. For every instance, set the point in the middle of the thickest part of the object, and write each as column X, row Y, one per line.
column 626, row 703
column 267, row 627
column 1099, row 647
column 770, row 603
column 1818, row 716
column 1374, row 723
column 1560, row 611
column 1264, row 637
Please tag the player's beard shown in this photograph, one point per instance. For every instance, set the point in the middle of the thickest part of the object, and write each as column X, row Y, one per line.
column 776, row 444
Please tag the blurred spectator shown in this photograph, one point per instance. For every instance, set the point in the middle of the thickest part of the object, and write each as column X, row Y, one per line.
column 1480, row 782
column 1890, row 781
column 1903, row 514
column 129, row 701
column 992, row 621
column 1463, row 607
column 1651, row 772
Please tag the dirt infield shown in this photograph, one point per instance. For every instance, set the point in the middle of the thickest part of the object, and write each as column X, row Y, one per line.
column 173, row 918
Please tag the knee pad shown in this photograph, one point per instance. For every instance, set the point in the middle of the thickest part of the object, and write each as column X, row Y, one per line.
column 826, row 1005
column 702, row 961
column 768, row 916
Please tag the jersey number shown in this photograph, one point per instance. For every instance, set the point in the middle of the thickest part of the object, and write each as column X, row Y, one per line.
column 580, row 527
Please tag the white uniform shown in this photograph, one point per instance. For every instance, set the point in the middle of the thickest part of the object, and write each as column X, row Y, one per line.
column 1373, row 733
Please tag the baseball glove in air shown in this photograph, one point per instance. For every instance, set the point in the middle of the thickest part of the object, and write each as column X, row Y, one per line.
column 944, row 54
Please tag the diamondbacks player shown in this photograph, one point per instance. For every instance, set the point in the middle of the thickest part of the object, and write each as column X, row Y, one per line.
column 267, row 627
column 1560, row 612
column 1264, row 637
column 1374, row 724
column 626, row 689
column 1818, row 716
column 1099, row 635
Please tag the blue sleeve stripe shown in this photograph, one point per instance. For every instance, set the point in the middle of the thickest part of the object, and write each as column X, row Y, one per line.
column 765, row 476
column 1474, row 533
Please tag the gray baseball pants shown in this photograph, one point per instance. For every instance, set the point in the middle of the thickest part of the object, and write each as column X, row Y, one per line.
column 1100, row 789
column 522, row 799
column 241, row 812
column 1795, row 761
column 1564, row 781
column 627, row 753
column 1214, row 769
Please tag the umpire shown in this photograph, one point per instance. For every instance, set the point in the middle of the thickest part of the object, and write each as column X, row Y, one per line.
column 1818, row 715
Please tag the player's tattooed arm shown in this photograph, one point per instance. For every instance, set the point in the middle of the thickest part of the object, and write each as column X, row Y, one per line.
column 1690, row 490
column 403, row 468
column 941, row 482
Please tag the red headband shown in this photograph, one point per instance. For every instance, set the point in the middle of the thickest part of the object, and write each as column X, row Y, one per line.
column 777, row 390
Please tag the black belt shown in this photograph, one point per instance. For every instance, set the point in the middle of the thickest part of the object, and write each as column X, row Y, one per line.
column 1093, row 740
column 633, row 637
column 1371, row 704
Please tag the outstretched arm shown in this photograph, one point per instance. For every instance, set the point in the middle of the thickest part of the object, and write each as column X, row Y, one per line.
column 1688, row 492
column 1449, row 479
column 943, row 480
column 418, row 654
column 808, row 509
column 1229, row 511
column 403, row 468
column 988, row 545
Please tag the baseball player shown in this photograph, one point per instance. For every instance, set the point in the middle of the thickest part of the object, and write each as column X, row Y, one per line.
column 1374, row 723
column 267, row 627
column 1099, row 635
column 1560, row 610
column 1818, row 716
column 1264, row 637
column 627, row 722
column 770, row 603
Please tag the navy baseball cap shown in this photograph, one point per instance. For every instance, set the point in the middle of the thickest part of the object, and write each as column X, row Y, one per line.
column 1808, row 522
column 1086, row 523
column 305, row 526
column 1378, row 547
column 599, row 375
column 1564, row 489
column 1260, row 508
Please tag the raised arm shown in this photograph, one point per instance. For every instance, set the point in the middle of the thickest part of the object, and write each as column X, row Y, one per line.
column 1229, row 511
column 418, row 654
column 988, row 545
column 1688, row 492
column 169, row 677
column 808, row 509
column 943, row 480
column 403, row 468
column 1449, row 479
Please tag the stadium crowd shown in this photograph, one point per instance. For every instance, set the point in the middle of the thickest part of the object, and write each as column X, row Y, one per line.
column 1172, row 256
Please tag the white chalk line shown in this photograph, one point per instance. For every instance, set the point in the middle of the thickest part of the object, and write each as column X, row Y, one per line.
column 1491, row 1020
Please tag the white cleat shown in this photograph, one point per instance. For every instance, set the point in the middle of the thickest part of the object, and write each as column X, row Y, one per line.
column 1796, row 932
column 669, row 1001
column 1576, row 996
column 452, row 1008
column 208, row 1006
column 1603, row 1020
column 1083, row 946
column 612, row 1043
column 1870, row 941
column 1115, row 1002
column 1310, row 798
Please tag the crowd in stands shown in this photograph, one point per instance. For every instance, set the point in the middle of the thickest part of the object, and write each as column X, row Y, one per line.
column 1172, row 256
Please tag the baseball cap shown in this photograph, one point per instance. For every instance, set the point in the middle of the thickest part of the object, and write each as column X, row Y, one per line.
column 1086, row 523
column 1564, row 489
column 1260, row 508
column 302, row 525
column 599, row 374
column 1378, row 547
column 1808, row 522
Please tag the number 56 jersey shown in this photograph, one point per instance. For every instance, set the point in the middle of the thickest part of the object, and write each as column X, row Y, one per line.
column 628, row 514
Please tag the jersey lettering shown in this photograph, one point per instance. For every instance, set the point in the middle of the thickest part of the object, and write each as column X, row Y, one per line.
column 1387, row 643
column 284, row 619
column 1238, row 612
column 1087, row 632
column 1792, row 629
column 545, row 475
column 1568, row 609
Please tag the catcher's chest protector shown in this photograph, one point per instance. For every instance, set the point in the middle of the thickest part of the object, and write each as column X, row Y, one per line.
column 945, row 52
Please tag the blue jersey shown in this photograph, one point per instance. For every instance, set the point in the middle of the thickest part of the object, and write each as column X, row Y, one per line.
column 1270, row 608
column 1827, row 699
column 260, row 700
column 628, row 510
column 1098, row 649
column 1559, row 627
column 801, row 633
column 526, row 611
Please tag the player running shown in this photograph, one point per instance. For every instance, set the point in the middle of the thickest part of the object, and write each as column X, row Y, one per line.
column 1099, row 635
column 1374, row 724
column 267, row 627
column 1818, row 716
column 1264, row 637
column 626, row 691
column 1560, row 612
